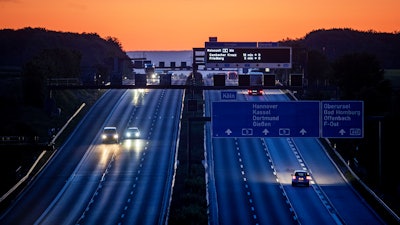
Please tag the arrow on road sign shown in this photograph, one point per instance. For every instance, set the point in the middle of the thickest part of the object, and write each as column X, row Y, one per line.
column 228, row 132
column 303, row 132
column 342, row 132
column 265, row 132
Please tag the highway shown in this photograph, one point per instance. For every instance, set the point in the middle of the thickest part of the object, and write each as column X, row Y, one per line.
column 250, row 179
column 88, row 182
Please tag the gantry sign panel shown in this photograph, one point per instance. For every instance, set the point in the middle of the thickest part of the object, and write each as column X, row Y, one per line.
column 239, row 55
column 326, row 119
column 265, row 119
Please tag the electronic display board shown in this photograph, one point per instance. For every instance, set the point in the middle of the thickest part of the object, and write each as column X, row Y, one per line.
column 227, row 57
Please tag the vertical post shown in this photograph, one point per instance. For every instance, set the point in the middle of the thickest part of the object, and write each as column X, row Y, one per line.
column 380, row 120
column 380, row 152
column 189, row 146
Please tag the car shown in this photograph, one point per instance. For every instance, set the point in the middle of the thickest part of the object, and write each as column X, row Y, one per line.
column 255, row 91
column 132, row 132
column 232, row 75
column 110, row 135
column 301, row 177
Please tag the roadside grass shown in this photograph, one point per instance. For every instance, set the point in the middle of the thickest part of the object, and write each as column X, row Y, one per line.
column 17, row 160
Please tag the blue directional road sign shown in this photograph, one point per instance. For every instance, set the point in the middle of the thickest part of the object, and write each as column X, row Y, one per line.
column 265, row 119
column 342, row 119
column 228, row 95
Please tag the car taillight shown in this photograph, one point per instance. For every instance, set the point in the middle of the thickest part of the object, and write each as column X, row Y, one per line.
column 308, row 177
column 293, row 177
column 260, row 92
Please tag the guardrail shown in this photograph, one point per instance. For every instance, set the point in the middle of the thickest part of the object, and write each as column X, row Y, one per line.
column 63, row 82
column 18, row 139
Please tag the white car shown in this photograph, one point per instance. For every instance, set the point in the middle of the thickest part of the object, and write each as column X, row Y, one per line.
column 132, row 132
column 110, row 135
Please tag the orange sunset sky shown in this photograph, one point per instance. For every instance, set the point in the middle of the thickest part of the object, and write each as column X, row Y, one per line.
column 185, row 24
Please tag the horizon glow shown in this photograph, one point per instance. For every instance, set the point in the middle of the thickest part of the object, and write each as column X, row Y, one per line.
column 145, row 25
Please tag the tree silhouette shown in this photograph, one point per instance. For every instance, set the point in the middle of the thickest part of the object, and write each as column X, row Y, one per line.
column 356, row 72
column 50, row 63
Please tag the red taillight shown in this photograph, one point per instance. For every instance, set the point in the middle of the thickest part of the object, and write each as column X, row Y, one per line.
column 308, row 177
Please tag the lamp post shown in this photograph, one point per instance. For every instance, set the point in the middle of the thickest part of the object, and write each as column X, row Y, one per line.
column 379, row 118
column 380, row 151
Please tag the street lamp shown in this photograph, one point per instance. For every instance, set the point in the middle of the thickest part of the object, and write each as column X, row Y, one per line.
column 379, row 118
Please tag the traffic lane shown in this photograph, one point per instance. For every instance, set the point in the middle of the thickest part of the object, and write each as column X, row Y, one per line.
column 154, row 188
column 228, row 189
column 94, row 166
column 97, row 207
column 348, row 203
column 72, row 200
column 119, row 184
column 215, row 189
column 108, row 202
column 209, row 163
column 270, row 203
column 45, row 187
column 216, row 173
column 285, row 162
column 151, row 191
column 308, row 206
column 97, row 204
column 331, row 174
column 305, row 202
column 77, row 193
column 234, row 206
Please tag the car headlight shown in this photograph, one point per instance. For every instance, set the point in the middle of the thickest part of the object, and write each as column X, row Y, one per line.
column 115, row 136
column 103, row 136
